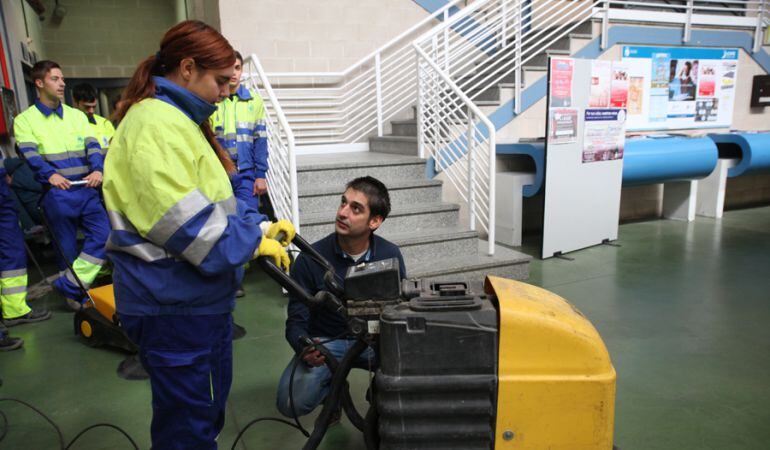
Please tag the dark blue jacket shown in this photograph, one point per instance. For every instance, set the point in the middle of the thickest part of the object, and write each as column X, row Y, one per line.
column 319, row 321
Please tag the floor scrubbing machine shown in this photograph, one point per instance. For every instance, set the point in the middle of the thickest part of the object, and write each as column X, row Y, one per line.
column 96, row 322
column 512, row 367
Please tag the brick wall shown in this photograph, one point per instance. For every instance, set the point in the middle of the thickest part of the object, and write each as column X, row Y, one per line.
column 106, row 38
column 313, row 35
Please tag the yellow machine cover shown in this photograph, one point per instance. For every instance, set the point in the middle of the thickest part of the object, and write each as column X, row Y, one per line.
column 104, row 300
column 556, row 386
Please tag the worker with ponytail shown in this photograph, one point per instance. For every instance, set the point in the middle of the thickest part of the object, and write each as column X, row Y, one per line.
column 179, row 237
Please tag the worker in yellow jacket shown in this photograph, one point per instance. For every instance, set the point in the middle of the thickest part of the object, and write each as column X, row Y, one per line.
column 180, row 238
column 84, row 98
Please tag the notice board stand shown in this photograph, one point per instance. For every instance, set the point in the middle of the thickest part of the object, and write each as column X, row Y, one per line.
column 583, row 167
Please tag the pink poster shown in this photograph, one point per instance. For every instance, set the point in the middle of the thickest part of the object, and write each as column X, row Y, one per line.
column 601, row 72
column 619, row 86
column 707, row 79
column 561, row 82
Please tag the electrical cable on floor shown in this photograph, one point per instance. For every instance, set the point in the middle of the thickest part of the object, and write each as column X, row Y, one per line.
column 297, row 424
column 60, row 435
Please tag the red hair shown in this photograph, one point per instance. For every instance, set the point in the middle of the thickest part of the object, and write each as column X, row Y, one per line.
column 189, row 39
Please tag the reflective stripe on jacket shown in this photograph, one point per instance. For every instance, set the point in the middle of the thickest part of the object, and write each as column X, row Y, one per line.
column 57, row 141
column 179, row 236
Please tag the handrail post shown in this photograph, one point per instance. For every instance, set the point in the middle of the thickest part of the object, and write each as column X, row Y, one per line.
column 378, row 87
column 446, row 42
column 688, row 22
column 491, row 199
column 758, row 30
column 471, row 173
column 434, row 102
column 418, row 111
column 605, row 24
column 504, row 27
column 518, row 73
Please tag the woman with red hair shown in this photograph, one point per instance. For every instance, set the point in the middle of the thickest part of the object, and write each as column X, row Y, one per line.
column 180, row 238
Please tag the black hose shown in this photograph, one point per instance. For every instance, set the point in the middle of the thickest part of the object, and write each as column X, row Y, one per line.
column 371, row 433
column 332, row 400
column 59, row 434
column 105, row 425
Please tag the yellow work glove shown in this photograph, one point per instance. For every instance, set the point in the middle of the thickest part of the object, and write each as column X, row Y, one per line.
column 282, row 226
column 272, row 249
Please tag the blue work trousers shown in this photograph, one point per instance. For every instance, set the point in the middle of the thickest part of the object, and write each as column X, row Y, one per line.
column 190, row 363
column 12, row 254
column 70, row 210
column 311, row 384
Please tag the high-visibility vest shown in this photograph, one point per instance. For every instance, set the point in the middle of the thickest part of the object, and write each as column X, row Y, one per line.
column 57, row 141
column 239, row 123
column 103, row 131
column 179, row 236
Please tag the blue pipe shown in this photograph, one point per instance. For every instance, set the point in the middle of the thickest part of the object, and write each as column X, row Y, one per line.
column 755, row 151
column 649, row 161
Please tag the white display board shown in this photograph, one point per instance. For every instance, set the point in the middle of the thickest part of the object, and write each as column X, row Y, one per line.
column 674, row 88
column 583, row 154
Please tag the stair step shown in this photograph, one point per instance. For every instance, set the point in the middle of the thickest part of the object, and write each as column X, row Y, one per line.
column 399, row 145
column 339, row 168
column 404, row 127
column 490, row 94
column 422, row 247
column 472, row 268
column 326, row 198
column 541, row 59
column 407, row 218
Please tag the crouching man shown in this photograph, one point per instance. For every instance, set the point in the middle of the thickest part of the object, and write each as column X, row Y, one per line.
column 363, row 207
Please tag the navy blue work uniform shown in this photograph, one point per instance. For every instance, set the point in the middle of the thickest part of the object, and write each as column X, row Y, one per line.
column 311, row 384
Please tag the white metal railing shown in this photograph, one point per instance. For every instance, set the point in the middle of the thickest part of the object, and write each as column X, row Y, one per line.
column 282, row 175
column 486, row 43
column 750, row 14
column 461, row 141
column 349, row 106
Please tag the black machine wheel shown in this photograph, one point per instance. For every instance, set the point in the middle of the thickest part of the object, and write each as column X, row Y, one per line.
column 87, row 329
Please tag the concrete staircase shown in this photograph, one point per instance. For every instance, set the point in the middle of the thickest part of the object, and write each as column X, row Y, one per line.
column 428, row 230
column 432, row 240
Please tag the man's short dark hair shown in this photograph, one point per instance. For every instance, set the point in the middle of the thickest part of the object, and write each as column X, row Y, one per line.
column 41, row 69
column 238, row 56
column 84, row 92
column 375, row 192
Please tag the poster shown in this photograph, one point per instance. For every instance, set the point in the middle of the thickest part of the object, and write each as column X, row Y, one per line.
column 706, row 110
column 635, row 95
column 688, row 87
column 707, row 79
column 619, row 85
column 561, row 82
column 599, row 95
column 563, row 125
column 604, row 134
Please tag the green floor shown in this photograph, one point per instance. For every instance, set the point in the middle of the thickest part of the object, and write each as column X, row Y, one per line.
column 684, row 310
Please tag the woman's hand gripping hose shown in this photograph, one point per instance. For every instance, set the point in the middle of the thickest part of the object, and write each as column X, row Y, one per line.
column 282, row 231
column 273, row 249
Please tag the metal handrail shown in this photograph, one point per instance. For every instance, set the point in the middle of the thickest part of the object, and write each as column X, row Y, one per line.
column 282, row 172
column 366, row 92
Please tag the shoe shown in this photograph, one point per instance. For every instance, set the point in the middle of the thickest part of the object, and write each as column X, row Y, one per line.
column 74, row 305
column 239, row 292
column 36, row 315
column 8, row 343
column 238, row 331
